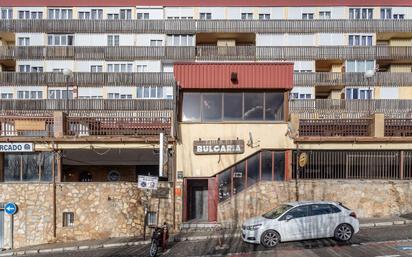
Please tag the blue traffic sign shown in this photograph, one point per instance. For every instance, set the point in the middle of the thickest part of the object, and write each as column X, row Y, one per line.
column 10, row 208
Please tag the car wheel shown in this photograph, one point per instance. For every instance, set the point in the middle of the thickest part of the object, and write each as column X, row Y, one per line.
column 270, row 238
column 344, row 232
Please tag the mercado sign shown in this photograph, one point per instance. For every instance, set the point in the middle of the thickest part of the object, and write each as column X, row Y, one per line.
column 219, row 146
column 16, row 147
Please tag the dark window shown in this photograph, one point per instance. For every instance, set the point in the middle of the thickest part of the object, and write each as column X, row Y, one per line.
column 253, row 166
column 274, row 106
column 191, row 107
column 253, row 106
column 28, row 166
column 12, row 167
column 321, row 209
column 233, row 106
column 298, row 212
column 212, row 107
column 225, row 185
column 267, row 165
column 239, row 177
column 68, row 219
column 279, row 166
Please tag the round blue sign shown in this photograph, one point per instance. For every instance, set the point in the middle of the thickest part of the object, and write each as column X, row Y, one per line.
column 10, row 208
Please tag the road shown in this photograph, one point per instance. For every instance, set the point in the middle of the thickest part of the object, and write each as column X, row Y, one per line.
column 369, row 242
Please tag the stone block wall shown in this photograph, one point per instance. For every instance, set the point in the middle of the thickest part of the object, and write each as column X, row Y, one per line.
column 369, row 198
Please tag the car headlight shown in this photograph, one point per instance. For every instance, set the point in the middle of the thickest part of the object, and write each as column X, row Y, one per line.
column 254, row 227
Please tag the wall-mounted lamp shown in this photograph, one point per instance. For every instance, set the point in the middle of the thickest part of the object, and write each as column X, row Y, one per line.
column 233, row 77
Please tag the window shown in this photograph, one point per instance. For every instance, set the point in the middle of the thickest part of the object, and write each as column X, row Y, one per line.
column 307, row 16
column 112, row 16
column 267, row 165
column 296, row 95
column 28, row 166
column 24, row 68
column 141, row 68
column 25, row 94
column 156, row 42
column 120, row 67
column 113, row 40
column 322, row 209
column 36, row 69
column 96, row 68
column 253, row 169
column 212, row 107
column 180, row 40
column 24, row 15
column 360, row 13
column 264, row 16
column 60, row 40
column 246, row 16
column 399, row 16
column 143, row 16
column 60, row 94
column 119, row 96
column 233, row 107
column 253, row 106
column 325, row 15
column 274, row 106
column 93, row 14
column 386, row 13
column 179, row 18
column 358, row 40
column 68, row 219
column 150, row 92
column 225, row 185
column 191, row 107
column 239, row 173
column 6, row 95
column 297, row 212
column 23, row 41
column 358, row 93
column 84, row 15
column 279, row 169
column 56, row 70
column 60, row 14
column 125, row 14
column 205, row 16
column 6, row 13
column 360, row 65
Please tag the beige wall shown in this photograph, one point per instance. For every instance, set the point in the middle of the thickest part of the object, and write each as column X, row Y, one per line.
column 265, row 136
column 405, row 93
column 400, row 68
column 400, row 42
column 368, row 198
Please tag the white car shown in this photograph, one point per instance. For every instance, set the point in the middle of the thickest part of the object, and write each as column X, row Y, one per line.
column 301, row 220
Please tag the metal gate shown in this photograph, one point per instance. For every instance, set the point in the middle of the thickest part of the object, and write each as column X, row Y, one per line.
column 1, row 225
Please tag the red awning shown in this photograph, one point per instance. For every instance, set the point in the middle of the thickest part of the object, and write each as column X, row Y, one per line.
column 234, row 75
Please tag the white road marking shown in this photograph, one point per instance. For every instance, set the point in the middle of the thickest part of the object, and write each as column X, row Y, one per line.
column 388, row 256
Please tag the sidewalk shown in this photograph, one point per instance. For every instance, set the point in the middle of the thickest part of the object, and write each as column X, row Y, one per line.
column 192, row 236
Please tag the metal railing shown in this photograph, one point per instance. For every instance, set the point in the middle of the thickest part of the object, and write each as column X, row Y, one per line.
column 340, row 109
column 334, row 127
column 196, row 26
column 398, row 127
column 87, row 78
column 206, row 53
column 26, row 126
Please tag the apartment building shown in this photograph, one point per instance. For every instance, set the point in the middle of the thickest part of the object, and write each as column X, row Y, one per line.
column 232, row 92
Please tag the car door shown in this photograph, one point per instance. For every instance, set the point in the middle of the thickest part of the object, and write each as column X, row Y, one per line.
column 295, row 223
column 325, row 218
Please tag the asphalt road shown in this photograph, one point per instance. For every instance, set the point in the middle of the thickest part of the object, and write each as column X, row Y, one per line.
column 370, row 242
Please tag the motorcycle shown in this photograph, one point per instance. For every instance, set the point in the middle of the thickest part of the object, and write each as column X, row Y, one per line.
column 160, row 236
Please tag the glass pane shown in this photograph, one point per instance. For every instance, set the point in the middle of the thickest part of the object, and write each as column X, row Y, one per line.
column 12, row 167
column 30, row 167
column 299, row 212
column 253, row 166
column 233, row 109
column 46, row 162
column 212, row 107
column 225, row 185
column 239, row 177
column 266, row 165
column 253, row 106
column 279, row 158
column 191, row 107
column 274, row 106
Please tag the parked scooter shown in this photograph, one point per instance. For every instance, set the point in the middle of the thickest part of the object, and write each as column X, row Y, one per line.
column 160, row 237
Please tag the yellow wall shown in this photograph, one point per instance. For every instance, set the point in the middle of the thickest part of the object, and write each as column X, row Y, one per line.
column 264, row 135
column 405, row 93
column 336, row 67
column 400, row 42
column 400, row 68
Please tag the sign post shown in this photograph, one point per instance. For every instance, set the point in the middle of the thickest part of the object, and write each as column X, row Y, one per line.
column 147, row 183
column 11, row 208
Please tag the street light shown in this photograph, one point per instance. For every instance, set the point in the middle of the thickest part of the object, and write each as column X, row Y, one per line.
column 67, row 73
column 369, row 74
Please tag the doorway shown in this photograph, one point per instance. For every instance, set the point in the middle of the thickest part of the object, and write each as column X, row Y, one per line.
column 200, row 200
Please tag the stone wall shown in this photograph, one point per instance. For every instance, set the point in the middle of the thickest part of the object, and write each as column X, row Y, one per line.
column 369, row 198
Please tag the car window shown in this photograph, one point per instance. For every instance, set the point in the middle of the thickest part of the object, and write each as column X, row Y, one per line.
column 273, row 214
column 298, row 212
column 321, row 209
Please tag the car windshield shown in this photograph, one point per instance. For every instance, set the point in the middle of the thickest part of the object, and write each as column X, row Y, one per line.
column 273, row 214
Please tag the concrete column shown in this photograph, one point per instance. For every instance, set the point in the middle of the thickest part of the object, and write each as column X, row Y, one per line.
column 59, row 118
column 294, row 124
column 377, row 126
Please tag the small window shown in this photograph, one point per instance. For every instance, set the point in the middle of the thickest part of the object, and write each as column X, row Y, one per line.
column 323, row 209
column 298, row 212
column 307, row 16
column 247, row 16
column 212, row 107
column 264, row 16
column 68, row 219
column 205, row 16
column 253, row 167
column 325, row 15
column 142, row 16
column 267, row 165
column 191, row 107
column 253, row 106
column 233, row 106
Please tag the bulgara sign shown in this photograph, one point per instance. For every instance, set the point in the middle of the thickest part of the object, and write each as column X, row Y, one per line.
column 16, row 147
column 219, row 147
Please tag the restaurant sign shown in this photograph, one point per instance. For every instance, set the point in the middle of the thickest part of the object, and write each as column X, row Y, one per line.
column 219, row 147
column 16, row 147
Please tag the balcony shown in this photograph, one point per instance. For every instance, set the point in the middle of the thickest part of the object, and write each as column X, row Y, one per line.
column 206, row 53
column 197, row 26
column 83, row 119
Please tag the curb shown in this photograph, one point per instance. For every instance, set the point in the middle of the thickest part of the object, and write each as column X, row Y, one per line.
column 173, row 238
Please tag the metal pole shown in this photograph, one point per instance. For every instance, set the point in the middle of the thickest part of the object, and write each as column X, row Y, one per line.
column 67, row 95
column 11, row 231
column 297, row 172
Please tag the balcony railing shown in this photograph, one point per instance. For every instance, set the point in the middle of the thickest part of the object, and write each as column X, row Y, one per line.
column 87, row 79
column 196, row 26
column 349, row 109
column 398, row 127
column 334, row 127
column 236, row 53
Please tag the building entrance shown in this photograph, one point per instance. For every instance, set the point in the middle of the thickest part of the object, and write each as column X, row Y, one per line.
column 200, row 200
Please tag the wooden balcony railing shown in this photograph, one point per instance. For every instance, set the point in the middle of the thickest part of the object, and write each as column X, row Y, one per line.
column 334, row 127
column 341, row 109
column 26, row 126
column 398, row 127
column 206, row 53
column 196, row 26
column 87, row 79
